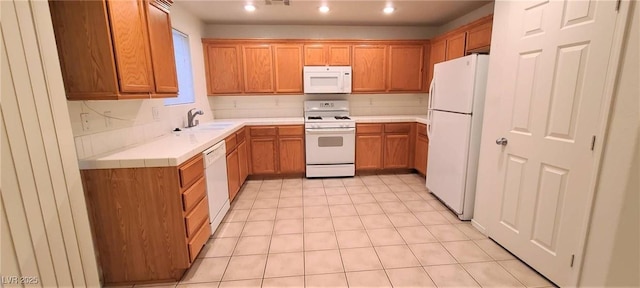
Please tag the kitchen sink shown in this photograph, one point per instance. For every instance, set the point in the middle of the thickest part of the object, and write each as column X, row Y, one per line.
column 214, row 126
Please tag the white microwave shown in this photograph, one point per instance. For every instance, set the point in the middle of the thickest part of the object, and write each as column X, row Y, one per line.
column 327, row 79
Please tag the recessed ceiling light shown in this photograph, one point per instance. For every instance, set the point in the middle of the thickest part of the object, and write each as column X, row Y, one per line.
column 250, row 7
column 388, row 10
column 324, row 9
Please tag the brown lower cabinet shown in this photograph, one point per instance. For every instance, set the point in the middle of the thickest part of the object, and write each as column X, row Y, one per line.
column 386, row 146
column 237, row 165
column 277, row 149
column 422, row 149
column 382, row 146
column 149, row 224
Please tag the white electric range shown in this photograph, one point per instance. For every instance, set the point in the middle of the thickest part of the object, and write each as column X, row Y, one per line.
column 330, row 137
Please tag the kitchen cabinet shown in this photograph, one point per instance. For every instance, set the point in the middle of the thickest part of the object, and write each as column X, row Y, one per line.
column 258, row 68
column 384, row 146
column 368, row 152
column 161, row 44
column 115, row 49
column 277, row 149
column 288, row 68
column 406, row 63
column 422, row 149
column 237, row 166
column 437, row 54
column 474, row 37
column 369, row 68
column 150, row 223
column 233, row 174
column 479, row 38
column 456, row 45
column 327, row 55
column 223, row 67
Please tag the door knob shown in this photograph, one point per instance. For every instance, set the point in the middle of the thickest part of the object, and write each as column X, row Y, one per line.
column 502, row 141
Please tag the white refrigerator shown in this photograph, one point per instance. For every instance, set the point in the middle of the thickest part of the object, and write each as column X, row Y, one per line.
column 456, row 104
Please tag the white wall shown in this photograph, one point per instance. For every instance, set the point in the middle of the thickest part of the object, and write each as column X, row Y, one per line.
column 318, row 32
column 467, row 18
column 613, row 245
column 139, row 124
column 45, row 225
column 292, row 105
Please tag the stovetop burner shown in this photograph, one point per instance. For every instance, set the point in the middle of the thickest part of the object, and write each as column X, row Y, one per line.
column 342, row 118
column 314, row 118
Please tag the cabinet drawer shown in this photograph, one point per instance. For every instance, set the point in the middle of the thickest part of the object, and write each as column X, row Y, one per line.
column 193, row 195
column 198, row 216
column 230, row 142
column 291, row 130
column 240, row 136
column 191, row 171
column 397, row 128
column 199, row 239
column 421, row 129
column 368, row 128
column 263, row 131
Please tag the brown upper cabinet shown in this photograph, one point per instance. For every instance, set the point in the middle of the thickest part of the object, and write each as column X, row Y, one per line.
column 479, row 38
column 288, row 67
column 474, row 37
column 455, row 45
column 105, row 49
column 223, row 66
column 327, row 54
column 258, row 68
column 369, row 68
column 406, row 67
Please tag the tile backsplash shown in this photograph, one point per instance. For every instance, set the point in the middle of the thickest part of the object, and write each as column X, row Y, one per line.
column 292, row 105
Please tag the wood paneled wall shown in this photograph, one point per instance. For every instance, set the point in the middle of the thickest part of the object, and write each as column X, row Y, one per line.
column 45, row 227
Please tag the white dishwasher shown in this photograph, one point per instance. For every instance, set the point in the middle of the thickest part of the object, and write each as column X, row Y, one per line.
column 215, row 171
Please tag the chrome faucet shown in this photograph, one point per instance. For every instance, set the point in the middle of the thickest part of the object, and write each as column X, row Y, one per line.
column 192, row 116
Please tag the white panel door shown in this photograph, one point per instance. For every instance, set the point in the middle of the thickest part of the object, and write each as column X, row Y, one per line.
column 454, row 84
column 547, row 76
column 448, row 155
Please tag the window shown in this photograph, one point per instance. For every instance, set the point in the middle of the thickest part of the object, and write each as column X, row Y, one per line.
column 183, row 68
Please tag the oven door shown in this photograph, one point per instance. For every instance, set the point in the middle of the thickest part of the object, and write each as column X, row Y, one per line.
column 330, row 146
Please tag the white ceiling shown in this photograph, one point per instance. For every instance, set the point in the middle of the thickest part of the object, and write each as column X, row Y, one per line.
column 351, row 12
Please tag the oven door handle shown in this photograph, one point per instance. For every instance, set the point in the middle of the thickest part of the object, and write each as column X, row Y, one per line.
column 331, row 131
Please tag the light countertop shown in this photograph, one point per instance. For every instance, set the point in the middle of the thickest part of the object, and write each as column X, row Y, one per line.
column 178, row 147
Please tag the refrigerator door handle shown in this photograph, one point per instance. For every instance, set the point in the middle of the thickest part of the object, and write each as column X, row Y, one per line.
column 429, row 111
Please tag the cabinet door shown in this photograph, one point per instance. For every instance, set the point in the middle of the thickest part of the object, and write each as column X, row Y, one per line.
column 243, row 165
column 223, row 68
column 437, row 54
column 396, row 151
column 422, row 148
column 288, row 68
column 369, row 68
column 456, row 45
column 131, row 46
column 479, row 37
column 368, row 152
column 233, row 174
column 291, row 154
column 339, row 55
column 263, row 155
column 405, row 67
column 162, row 55
column 258, row 68
column 315, row 55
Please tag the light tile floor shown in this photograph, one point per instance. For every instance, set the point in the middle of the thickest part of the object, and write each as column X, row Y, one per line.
column 365, row 231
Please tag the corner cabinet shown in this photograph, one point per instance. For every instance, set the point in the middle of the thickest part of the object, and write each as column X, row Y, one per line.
column 149, row 224
column 115, row 49
column 223, row 67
